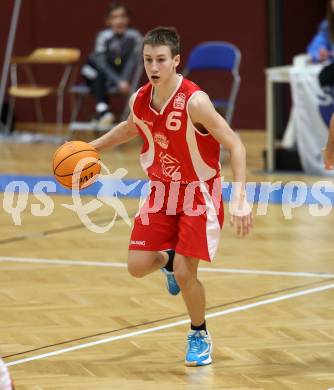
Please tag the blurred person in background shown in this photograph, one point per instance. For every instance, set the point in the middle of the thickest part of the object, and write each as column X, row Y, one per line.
column 321, row 47
column 328, row 151
column 111, row 64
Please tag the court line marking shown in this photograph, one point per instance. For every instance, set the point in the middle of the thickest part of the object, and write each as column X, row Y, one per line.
column 202, row 269
column 174, row 318
column 173, row 324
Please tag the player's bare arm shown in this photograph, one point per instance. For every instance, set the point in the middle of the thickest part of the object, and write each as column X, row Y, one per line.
column 205, row 117
column 123, row 132
column 329, row 149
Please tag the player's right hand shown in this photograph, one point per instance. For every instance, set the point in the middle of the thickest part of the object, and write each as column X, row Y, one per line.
column 328, row 159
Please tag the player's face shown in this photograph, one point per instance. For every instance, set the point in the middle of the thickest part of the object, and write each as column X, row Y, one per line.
column 118, row 20
column 159, row 63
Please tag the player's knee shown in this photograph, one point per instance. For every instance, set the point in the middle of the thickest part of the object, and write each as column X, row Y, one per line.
column 183, row 277
column 136, row 271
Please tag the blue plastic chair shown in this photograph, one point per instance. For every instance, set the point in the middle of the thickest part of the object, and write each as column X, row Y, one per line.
column 218, row 55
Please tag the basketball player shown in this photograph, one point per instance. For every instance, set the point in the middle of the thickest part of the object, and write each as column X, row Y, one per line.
column 182, row 135
column 328, row 152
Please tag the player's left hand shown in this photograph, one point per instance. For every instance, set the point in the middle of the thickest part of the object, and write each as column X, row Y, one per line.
column 242, row 225
column 241, row 217
column 328, row 159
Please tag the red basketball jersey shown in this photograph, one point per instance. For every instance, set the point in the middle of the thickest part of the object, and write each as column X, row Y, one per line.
column 173, row 148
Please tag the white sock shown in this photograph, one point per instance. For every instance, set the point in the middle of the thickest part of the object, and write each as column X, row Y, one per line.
column 100, row 107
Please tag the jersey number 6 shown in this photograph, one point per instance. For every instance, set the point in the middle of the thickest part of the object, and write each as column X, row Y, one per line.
column 172, row 122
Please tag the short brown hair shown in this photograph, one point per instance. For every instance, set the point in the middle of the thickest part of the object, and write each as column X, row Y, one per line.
column 117, row 5
column 163, row 36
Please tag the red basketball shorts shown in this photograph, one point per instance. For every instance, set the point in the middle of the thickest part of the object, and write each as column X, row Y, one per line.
column 185, row 217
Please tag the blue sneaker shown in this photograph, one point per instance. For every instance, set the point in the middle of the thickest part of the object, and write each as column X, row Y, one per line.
column 171, row 283
column 199, row 348
column 172, row 286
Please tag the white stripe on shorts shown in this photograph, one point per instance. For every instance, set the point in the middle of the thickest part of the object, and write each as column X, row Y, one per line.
column 212, row 223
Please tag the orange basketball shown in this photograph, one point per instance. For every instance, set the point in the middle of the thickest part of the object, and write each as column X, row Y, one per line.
column 76, row 164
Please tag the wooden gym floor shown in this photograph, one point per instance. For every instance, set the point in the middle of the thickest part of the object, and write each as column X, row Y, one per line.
column 72, row 318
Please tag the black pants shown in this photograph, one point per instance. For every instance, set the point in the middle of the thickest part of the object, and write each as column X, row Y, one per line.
column 99, row 88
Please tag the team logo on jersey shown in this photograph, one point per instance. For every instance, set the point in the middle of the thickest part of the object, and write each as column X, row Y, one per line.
column 169, row 164
column 161, row 140
column 179, row 101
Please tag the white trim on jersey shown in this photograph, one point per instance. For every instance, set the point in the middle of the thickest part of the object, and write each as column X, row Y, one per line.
column 146, row 158
column 203, row 170
column 168, row 100
column 212, row 222
column 134, row 99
